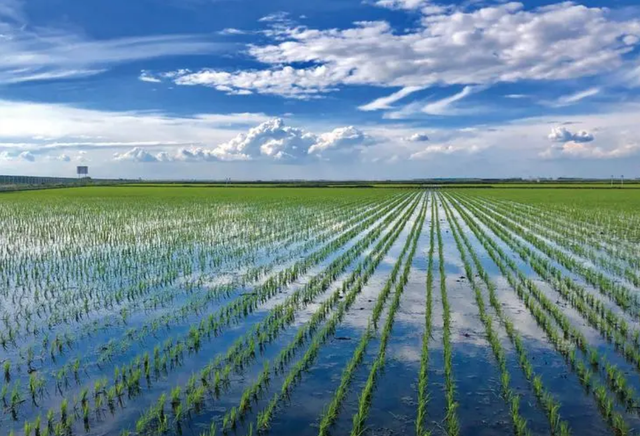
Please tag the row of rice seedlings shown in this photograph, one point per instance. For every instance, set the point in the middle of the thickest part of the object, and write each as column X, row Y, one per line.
column 231, row 417
column 193, row 306
column 127, row 379
column 613, row 375
column 513, row 400
column 561, row 233
column 615, row 321
column 330, row 414
column 596, row 233
column 266, row 415
column 611, row 326
column 244, row 347
column 364, row 403
column 48, row 299
column 79, row 294
column 423, row 375
column 451, row 417
column 62, row 374
column 565, row 287
column 611, row 321
column 280, row 232
column 529, row 293
column 625, row 298
column 283, row 314
column 548, row 403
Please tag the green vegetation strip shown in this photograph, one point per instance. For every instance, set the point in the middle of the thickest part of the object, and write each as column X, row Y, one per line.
column 451, row 417
column 423, row 375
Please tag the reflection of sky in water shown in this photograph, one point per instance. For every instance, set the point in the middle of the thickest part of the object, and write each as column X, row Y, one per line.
column 592, row 335
column 482, row 410
column 609, row 303
column 572, row 229
column 194, row 362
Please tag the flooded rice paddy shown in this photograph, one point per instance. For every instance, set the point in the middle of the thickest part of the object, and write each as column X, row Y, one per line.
column 245, row 311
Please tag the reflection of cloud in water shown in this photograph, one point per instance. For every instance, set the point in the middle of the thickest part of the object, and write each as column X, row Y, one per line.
column 405, row 353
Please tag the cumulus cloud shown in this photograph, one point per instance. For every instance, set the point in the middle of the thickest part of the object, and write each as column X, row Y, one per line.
column 138, row 154
column 25, row 156
column 488, row 45
column 337, row 139
column 271, row 140
column 277, row 141
column 562, row 134
column 417, row 137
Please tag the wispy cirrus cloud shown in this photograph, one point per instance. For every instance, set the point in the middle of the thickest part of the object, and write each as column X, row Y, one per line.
column 30, row 53
column 387, row 101
column 43, row 127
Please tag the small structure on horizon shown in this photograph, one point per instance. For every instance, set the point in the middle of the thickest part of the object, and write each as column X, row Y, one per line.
column 83, row 171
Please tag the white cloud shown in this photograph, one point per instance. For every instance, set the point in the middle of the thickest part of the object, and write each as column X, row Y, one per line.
column 232, row 31
column 417, row 137
column 488, row 45
column 138, row 154
column 340, row 138
column 442, row 149
column 47, row 127
column 43, row 129
column 275, row 17
column 402, row 4
column 287, row 81
column 446, row 106
column 385, row 102
column 145, row 76
column 26, row 156
column 562, row 134
column 35, row 53
column 270, row 139
column 578, row 150
column 275, row 141
column 567, row 100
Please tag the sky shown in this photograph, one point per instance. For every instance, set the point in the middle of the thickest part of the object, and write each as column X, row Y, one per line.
column 331, row 89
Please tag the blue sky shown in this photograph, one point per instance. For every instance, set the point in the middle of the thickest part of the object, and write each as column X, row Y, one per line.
column 334, row 89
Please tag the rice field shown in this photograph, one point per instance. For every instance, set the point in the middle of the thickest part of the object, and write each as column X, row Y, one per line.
column 299, row 311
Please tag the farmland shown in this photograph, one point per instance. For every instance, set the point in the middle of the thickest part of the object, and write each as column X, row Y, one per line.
column 148, row 310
